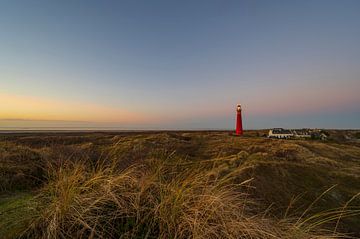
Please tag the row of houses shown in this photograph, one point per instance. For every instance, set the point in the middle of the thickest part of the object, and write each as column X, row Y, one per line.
column 280, row 133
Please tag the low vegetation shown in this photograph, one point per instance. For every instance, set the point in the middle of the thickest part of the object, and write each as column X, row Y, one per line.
column 177, row 185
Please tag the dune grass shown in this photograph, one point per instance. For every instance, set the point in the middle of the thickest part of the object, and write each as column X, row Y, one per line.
column 148, row 187
column 151, row 200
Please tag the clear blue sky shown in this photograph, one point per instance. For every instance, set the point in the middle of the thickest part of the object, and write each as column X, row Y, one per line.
column 180, row 64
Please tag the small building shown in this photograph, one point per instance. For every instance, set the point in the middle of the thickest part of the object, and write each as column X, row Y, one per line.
column 319, row 134
column 280, row 133
column 302, row 133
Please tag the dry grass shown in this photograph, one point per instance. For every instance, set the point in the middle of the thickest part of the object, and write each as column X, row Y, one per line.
column 155, row 200
column 130, row 191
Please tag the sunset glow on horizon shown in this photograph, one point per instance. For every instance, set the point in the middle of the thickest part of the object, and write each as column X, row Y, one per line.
column 183, row 65
column 33, row 108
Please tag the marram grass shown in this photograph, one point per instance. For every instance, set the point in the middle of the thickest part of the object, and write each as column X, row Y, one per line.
column 153, row 200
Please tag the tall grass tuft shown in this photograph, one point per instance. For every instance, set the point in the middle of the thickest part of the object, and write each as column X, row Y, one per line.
column 154, row 199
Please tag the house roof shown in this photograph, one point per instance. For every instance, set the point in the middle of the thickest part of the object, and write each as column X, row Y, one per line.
column 281, row 131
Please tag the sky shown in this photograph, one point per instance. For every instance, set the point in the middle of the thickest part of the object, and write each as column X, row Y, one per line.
column 179, row 64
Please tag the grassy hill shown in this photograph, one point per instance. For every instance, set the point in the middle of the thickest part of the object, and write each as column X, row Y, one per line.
column 178, row 185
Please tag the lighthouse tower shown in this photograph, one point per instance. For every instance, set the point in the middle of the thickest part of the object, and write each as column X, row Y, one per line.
column 239, row 128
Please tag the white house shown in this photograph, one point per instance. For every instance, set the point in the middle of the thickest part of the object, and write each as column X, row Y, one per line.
column 302, row 133
column 280, row 133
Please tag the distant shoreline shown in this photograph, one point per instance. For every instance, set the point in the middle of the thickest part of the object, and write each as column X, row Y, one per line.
column 9, row 130
column 104, row 130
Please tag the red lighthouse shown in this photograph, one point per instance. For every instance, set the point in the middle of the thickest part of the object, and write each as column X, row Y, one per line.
column 239, row 128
